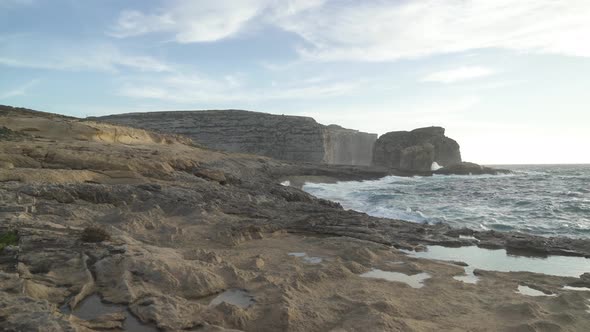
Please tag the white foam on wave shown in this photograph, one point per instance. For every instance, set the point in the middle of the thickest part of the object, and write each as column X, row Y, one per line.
column 355, row 195
column 518, row 201
column 475, row 176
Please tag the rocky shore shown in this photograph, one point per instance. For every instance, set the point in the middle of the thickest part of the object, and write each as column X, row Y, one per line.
column 177, row 225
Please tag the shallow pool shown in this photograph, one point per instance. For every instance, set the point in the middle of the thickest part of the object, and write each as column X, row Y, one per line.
column 499, row 260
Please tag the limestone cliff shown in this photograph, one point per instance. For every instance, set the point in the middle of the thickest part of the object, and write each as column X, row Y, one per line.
column 416, row 150
column 293, row 138
column 347, row 146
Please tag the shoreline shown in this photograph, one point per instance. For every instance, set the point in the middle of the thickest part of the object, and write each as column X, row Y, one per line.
column 515, row 242
column 186, row 224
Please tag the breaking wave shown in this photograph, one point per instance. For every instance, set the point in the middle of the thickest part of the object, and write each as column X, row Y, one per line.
column 543, row 200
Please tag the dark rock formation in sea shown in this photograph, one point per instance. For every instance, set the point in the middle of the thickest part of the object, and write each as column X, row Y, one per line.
column 467, row 168
column 292, row 138
column 416, row 150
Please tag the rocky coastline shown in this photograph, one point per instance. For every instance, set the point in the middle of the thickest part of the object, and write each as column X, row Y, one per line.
column 185, row 223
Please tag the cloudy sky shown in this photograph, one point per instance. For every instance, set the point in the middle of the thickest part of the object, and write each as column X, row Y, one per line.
column 510, row 80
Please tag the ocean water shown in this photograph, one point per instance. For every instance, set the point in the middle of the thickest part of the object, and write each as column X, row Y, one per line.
column 546, row 200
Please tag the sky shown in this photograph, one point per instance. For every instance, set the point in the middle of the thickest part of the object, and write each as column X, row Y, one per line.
column 509, row 80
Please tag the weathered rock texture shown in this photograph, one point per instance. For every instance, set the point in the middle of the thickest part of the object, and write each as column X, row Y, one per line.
column 416, row 150
column 187, row 223
column 292, row 138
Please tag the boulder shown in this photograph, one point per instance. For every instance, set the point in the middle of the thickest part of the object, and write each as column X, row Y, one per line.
column 416, row 150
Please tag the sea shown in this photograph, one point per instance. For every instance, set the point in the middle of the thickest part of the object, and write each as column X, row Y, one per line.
column 546, row 200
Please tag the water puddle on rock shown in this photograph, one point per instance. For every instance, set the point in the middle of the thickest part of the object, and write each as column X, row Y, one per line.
column 499, row 260
column 92, row 307
column 306, row 258
column 238, row 297
column 468, row 237
column 414, row 281
column 469, row 277
column 527, row 291
column 578, row 289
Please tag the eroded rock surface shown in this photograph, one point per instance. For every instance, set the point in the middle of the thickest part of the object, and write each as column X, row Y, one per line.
column 187, row 224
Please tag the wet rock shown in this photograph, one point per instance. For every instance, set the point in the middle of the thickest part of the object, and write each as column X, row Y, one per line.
column 467, row 168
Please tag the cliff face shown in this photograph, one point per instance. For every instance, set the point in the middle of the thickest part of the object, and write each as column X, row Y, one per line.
column 292, row 138
column 416, row 150
column 347, row 146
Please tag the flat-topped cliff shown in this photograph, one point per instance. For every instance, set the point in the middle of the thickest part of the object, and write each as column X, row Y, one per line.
column 293, row 138
column 344, row 146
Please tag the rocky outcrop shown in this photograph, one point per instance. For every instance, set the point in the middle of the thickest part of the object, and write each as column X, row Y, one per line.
column 292, row 138
column 416, row 150
column 466, row 168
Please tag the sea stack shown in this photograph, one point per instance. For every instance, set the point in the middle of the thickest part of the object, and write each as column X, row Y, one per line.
column 416, row 150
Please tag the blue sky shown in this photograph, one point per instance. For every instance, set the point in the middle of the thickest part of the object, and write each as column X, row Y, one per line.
column 509, row 80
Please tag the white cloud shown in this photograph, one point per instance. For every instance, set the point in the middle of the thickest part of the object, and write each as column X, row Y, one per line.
column 190, row 21
column 81, row 57
column 204, row 20
column 183, row 88
column 380, row 30
column 19, row 90
column 458, row 74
